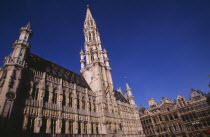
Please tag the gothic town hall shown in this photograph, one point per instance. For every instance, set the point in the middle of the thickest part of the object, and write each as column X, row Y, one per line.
column 42, row 99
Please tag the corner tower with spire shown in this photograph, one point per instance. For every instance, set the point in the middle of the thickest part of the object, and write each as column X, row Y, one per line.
column 94, row 61
column 13, row 66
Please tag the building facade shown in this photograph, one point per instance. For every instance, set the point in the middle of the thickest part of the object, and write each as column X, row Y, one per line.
column 41, row 98
column 179, row 118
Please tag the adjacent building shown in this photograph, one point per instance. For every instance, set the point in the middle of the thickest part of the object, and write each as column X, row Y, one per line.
column 41, row 98
column 178, row 118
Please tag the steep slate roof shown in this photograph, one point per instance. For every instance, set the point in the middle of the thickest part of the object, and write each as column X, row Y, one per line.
column 40, row 64
column 119, row 96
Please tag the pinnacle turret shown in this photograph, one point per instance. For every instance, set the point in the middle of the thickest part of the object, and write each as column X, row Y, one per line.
column 81, row 52
column 127, row 86
column 130, row 95
column 28, row 25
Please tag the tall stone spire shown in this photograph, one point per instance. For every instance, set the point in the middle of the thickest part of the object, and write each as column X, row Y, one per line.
column 94, row 62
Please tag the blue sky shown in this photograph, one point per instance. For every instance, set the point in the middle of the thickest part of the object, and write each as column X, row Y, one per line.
column 161, row 46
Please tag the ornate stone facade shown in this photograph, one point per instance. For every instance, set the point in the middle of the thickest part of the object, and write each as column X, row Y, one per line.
column 40, row 98
column 179, row 118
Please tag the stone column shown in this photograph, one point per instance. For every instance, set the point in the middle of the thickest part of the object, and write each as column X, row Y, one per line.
column 37, row 124
column 71, row 127
column 94, row 128
column 67, row 99
column 25, row 121
column 58, row 126
column 41, row 90
column 88, row 128
column 67, row 127
column 48, row 128
column 80, row 103
column 50, row 96
column 31, row 89
column 92, row 106
column 82, row 127
column 75, row 127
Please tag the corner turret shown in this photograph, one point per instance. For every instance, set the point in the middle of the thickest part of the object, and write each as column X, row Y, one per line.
column 130, row 96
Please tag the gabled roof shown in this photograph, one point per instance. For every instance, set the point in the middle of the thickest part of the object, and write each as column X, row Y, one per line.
column 40, row 64
column 119, row 96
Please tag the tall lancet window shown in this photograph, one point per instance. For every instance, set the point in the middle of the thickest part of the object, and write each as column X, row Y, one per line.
column 30, row 125
column 46, row 94
column 79, row 127
column 44, row 126
column 90, row 105
column 89, row 36
column 91, row 22
column 92, row 58
column 63, row 127
column 78, row 103
column 54, row 100
column 96, row 128
column 93, row 36
column 83, row 102
column 70, row 100
column 35, row 92
column 64, row 99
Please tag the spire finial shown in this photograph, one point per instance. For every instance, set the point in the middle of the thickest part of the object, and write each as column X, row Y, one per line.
column 28, row 25
column 88, row 13
column 127, row 86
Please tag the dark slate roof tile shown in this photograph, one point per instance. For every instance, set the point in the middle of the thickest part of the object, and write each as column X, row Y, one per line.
column 40, row 64
column 119, row 96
